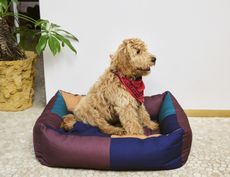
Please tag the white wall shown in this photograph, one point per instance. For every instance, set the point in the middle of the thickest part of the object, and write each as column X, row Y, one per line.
column 191, row 39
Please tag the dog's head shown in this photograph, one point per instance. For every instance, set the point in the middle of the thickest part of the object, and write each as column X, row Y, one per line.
column 132, row 59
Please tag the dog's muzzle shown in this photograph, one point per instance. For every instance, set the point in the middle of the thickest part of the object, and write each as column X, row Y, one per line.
column 153, row 60
column 144, row 69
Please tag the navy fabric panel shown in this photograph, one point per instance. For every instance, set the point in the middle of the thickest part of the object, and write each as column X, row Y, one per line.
column 169, row 124
column 59, row 106
column 163, row 152
column 83, row 129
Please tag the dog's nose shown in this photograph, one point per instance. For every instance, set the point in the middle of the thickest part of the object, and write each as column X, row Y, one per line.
column 154, row 59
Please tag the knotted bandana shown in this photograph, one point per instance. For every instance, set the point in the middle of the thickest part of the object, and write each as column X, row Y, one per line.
column 135, row 87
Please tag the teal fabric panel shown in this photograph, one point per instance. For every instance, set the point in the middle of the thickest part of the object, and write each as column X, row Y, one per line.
column 59, row 106
column 167, row 107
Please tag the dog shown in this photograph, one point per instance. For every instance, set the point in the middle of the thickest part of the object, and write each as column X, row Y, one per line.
column 117, row 96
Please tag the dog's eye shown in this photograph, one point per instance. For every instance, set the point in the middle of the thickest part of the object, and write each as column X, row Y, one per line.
column 138, row 51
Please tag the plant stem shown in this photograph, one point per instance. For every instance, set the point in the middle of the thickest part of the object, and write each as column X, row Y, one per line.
column 24, row 17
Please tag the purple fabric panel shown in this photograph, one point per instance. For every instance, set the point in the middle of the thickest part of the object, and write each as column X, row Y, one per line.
column 49, row 119
column 47, row 116
column 184, row 124
column 51, row 103
column 153, row 104
column 149, row 132
column 57, row 150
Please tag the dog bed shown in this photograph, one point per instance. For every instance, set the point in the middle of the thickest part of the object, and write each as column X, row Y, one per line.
column 86, row 147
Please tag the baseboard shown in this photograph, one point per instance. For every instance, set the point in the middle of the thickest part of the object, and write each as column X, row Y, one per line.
column 207, row 113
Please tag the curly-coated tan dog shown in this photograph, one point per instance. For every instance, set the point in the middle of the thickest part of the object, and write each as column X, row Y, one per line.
column 118, row 94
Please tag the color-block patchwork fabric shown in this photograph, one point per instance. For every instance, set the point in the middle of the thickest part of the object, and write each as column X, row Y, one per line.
column 152, row 153
column 167, row 108
column 59, row 106
column 86, row 146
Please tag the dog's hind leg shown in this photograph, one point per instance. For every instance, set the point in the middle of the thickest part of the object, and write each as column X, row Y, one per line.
column 145, row 118
column 129, row 119
column 91, row 116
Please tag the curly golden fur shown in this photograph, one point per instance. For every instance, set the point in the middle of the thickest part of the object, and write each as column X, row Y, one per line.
column 108, row 101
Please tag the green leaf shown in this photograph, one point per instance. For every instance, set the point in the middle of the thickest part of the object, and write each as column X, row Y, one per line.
column 54, row 45
column 58, row 46
column 1, row 10
column 42, row 44
column 53, row 25
column 3, row 3
column 65, row 41
column 69, row 35
column 41, row 22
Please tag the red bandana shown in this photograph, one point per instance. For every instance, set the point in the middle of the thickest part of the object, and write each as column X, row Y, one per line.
column 135, row 87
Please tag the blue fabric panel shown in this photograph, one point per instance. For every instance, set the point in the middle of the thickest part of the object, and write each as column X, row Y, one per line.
column 59, row 106
column 169, row 124
column 163, row 152
column 83, row 129
column 167, row 107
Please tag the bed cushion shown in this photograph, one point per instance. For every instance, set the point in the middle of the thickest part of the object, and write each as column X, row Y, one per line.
column 86, row 146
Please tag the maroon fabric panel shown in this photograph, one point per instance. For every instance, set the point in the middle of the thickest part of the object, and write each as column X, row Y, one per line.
column 184, row 124
column 47, row 116
column 153, row 104
column 58, row 150
column 46, row 119
column 149, row 132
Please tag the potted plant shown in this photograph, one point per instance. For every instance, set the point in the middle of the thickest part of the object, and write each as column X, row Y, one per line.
column 17, row 65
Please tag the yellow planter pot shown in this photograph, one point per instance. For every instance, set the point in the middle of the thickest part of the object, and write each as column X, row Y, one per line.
column 16, row 83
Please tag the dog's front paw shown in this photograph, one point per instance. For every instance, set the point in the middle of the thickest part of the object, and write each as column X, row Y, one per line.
column 119, row 131
column 152, row 125
column 68, row 122
column 135, row 129
column 137, row 132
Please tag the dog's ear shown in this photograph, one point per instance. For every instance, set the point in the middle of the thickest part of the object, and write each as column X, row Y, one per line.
column 117, row 58
column 114, row 60
column 130, row 50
